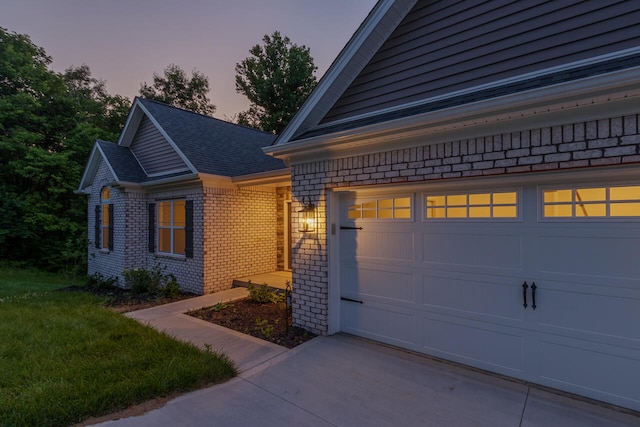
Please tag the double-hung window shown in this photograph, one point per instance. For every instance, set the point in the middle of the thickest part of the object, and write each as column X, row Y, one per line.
column 172, row 227
column 104, row 221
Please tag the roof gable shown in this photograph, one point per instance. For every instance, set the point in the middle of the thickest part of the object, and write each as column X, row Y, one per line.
column 210, row 145
column 440, row 54
column 154, row 152
column 443, row 47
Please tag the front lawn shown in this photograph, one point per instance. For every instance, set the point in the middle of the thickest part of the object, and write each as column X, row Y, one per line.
column 64, row 357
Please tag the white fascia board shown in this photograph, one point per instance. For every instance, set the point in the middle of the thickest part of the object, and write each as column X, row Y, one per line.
column 272, row 178
column 169, row 140
column 131, row 124
column 580, row 99
column 345, row 59
column 172, row 180
column 92, row 167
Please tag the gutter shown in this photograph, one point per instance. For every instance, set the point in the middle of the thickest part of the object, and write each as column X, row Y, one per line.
column 513, row 110
column 274, row 177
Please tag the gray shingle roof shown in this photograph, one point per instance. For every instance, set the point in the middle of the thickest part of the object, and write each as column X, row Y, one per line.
column 214, row 146
column 122, row 161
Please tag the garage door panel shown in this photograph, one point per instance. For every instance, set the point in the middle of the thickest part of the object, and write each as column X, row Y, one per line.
column 602, row 372
column 595, row 315
column 372, row 281
column 452, row 287
column 474, row 294
column 484, row 345
column 591, row 255
column 379, row 322
column 473, row 249
column 378, row 244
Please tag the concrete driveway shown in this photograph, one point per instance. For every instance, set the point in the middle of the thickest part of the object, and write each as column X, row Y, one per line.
column 346, row 381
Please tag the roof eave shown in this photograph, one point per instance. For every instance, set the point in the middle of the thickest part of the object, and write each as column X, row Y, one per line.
column 91, row 168
column 550, row 105
column 279, row 177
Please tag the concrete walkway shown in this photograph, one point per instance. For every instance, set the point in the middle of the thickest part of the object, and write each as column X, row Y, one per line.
column 246, row 351
column 346, row 381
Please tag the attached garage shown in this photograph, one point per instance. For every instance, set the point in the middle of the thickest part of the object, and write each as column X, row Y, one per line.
column 535, row 280
column 475, row 172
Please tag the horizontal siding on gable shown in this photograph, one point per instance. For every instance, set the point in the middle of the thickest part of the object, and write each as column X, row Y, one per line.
column 153, row 151
column 446, row 46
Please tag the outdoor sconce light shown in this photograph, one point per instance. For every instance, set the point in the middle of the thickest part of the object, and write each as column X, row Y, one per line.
column 307, row 217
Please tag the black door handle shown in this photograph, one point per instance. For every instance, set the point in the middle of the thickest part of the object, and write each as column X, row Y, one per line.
column 533, row 295
column 524, row 293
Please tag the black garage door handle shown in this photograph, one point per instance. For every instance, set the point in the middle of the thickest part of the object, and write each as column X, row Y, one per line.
column 524, row 293
column 533, row 295
column 351, row 300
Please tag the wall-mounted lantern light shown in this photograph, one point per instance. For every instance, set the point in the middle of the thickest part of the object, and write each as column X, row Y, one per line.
column 307, row 217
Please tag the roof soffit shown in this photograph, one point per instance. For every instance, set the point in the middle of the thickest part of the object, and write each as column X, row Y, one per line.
column 585, row 99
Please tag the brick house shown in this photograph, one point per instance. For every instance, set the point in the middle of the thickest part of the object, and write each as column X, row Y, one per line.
column 475, row 172
column 189, row 192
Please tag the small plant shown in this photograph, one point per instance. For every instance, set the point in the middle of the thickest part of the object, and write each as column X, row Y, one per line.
column 171, row 289
column 219, row 307
column 97, row 282
column 265, row 327
column 152, row 282
column 263, row 294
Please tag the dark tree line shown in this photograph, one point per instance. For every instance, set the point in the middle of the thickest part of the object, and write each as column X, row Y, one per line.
column 49, row 122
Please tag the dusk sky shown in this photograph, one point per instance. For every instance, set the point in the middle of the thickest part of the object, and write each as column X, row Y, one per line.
column 125, row 41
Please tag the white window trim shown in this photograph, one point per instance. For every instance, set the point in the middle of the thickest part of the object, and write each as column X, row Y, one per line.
column 171, row 227
column 369, row 199
column 583, row 185
column 460, row 191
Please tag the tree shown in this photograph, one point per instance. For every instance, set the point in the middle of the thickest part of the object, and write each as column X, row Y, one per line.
column 276, row 79
column 175, row 88
column 48, row 123
column 92, row 101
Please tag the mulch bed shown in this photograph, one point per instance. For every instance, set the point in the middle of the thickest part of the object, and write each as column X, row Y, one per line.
column 268, row 321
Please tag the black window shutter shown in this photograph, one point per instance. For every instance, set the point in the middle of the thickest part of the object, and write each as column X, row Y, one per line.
column 188, row 250
column 98, row 226
column 111, row 221
column 152, row 227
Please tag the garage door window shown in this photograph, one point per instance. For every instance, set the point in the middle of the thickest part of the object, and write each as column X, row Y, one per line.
column 592, row 202
column 472, row 205
column 387, row 208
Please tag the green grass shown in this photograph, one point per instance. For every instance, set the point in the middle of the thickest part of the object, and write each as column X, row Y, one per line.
column 64, row 357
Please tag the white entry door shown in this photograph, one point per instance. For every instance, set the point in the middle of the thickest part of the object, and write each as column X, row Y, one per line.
column 538, row 283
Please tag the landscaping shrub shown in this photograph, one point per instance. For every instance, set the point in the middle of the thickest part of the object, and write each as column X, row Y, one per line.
column 262, row 294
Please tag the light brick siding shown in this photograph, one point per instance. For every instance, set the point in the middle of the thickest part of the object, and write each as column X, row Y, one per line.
column 107, row 263
column 606, row 142
column 188, row 271
column 235, row 234
column 240, row 236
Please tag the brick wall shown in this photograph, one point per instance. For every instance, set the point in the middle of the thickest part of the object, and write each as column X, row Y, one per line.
column 188, row 271
column 613, row 141
column 240, row 236
column 107, row 263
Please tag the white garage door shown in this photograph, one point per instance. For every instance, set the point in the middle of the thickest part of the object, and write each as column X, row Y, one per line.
column 540, row 283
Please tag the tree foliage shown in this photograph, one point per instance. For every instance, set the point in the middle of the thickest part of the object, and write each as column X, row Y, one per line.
column 175, row 88
column 48, row 123
column 276, row 78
